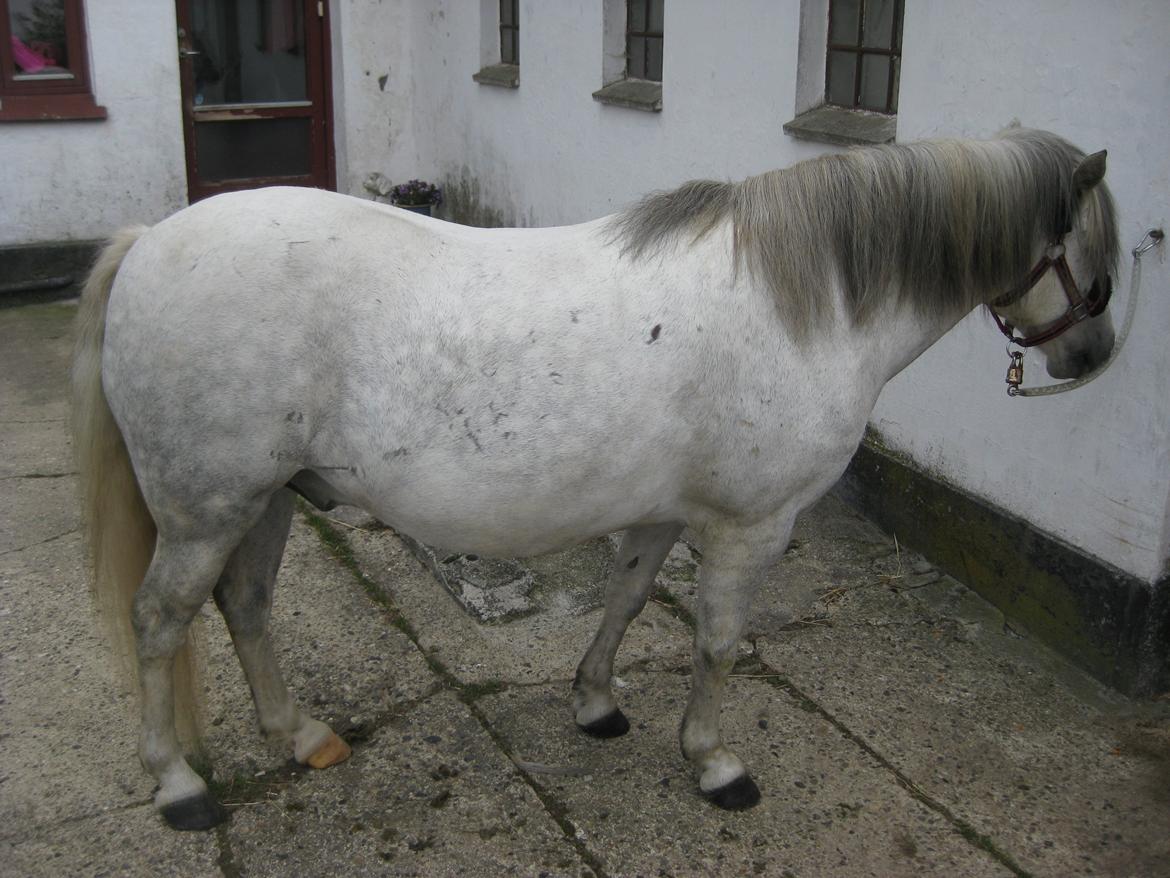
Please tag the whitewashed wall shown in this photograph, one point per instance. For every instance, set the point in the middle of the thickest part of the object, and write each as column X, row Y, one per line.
column 372, row 90
column 547, row 153
column 83, row 179
column 1091, row 467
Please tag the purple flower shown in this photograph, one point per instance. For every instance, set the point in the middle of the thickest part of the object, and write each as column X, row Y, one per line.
column 415, row 192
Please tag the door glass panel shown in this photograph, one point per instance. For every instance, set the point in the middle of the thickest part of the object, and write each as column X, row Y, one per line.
column 249, row 51
column 252, row 148
column 39, row 48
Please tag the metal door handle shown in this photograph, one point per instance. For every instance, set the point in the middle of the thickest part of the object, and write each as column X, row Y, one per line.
column 188, row 53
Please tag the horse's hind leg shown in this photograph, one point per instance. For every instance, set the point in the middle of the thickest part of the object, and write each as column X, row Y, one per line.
column 244, row 596
column 642, row 552
column 178, row 582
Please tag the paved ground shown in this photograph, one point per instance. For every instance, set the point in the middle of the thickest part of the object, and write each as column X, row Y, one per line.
column 896, row 724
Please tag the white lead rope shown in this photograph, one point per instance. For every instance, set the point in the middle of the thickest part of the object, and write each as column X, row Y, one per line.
column 1152, row 239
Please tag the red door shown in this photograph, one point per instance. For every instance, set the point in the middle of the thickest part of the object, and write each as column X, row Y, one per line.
column 255, row 83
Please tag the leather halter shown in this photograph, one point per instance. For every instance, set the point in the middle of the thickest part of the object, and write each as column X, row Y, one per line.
column 1081, row 306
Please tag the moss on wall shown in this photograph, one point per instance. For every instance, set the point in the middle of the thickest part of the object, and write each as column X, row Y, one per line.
column 465, row 202
column 1107, row 621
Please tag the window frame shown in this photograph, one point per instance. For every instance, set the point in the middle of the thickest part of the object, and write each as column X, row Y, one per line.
column 514, row 27
column 646, row 35
column 50, row 99
column 860, row 50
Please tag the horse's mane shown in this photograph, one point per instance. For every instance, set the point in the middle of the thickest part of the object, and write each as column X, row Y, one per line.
column 945, row 224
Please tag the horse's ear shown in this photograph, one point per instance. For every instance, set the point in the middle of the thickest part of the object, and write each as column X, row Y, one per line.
column 1089, row 172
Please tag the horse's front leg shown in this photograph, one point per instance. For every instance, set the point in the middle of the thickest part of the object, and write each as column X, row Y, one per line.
column 642, row 552
column 734, row 561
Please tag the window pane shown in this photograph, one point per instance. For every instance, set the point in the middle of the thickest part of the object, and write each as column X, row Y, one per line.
column 252, row 148
column 636, row 66
column 842, row 69
column 506, row 12
column 656, row 15
column 654, row 58
column 251, row 51
column 507, row 45
column 879, row 24
column 637, row 16
column 875, row 80
column 39, row 49
column 844, row 22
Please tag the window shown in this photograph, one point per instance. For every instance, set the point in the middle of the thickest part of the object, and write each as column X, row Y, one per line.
column 499, row 43
column 864, row 54
column 632, row 54
column 644, row 39
column 44, row 72
column 848, row 71
column 509, row 31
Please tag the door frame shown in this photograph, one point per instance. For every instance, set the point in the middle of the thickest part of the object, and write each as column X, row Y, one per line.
column 318, row 33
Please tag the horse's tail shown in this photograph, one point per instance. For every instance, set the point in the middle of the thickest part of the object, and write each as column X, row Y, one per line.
column 120, row 529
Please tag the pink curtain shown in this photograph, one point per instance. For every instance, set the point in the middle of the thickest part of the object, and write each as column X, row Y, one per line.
column 28, row 60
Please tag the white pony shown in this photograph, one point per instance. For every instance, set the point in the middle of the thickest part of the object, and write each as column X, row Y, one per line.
column 707, row 358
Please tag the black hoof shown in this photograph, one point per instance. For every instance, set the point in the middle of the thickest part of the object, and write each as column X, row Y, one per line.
column 194, row 814
column 739, row 795
column 612, row 725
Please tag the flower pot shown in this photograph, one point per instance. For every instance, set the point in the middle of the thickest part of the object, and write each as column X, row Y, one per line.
column 424, row 209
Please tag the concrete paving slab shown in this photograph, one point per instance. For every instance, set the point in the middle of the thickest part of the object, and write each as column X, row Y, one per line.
column 429, row 794
column 36, row 463
column 122, row 842
column 33, row 448
column 34, row 510
column 987, row 722
column 537, row 648
column 37, row 342
column 827, row 808
column 66, row 722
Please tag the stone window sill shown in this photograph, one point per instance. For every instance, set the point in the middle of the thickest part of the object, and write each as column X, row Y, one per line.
column 829, row 124
column 501, row 75
column 635, row 94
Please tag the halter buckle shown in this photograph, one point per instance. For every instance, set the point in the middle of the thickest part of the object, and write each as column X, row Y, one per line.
column 1015, row 372
column 1079, row 311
